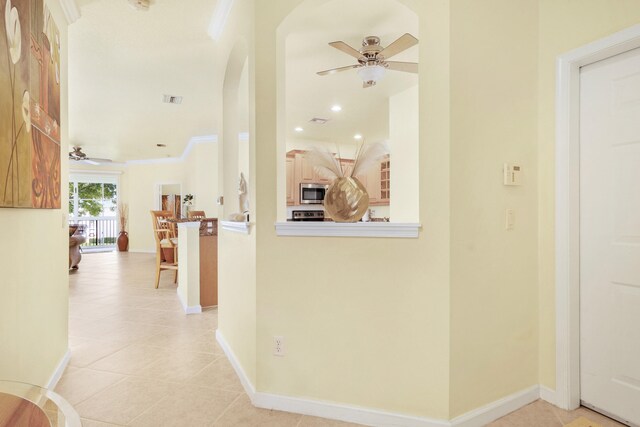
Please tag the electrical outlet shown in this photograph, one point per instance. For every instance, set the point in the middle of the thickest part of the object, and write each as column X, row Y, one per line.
column 278, row 346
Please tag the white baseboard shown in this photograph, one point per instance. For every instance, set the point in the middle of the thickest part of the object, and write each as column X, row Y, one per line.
column 373, row 417
column 342, row 412
column 548, row 395
column 193, row 309
column 244, row 379
column 494, row 410
column 57, row 374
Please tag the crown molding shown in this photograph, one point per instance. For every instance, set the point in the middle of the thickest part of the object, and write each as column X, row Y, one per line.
column 71, row 10
column 205, row 139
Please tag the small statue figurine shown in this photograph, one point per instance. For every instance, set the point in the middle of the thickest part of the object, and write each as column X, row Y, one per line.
column 243, row 199
column 242, row 195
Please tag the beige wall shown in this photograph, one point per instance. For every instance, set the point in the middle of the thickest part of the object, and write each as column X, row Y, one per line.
column 34, row 260
column 237, row 252
column 564, row 26
column 494, row 323
column 375, row 319
column 404, row 133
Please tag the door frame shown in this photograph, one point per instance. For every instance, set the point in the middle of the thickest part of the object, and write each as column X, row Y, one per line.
column 567, row 239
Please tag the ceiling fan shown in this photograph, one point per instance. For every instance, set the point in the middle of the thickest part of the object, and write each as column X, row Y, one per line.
column 373, row 58
column 78, row 156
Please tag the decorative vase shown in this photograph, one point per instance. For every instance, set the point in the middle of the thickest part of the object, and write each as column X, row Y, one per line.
column 346, row 200
column 123, row 241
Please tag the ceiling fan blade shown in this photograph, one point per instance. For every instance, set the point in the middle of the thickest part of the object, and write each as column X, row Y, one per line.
column 407, row 67
column 90, row 162
column 337, row 70
column 403, row 43
column 340, row 45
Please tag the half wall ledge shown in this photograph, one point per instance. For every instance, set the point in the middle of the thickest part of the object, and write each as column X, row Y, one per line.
column 355, row 229
column 236, row 227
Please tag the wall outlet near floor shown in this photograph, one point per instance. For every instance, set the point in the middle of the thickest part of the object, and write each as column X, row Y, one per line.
column 278, row 346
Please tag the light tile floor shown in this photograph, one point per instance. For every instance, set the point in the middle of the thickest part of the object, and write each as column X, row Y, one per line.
column 137, row 359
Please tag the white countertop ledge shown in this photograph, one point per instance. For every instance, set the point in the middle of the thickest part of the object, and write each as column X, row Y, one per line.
column 236, row 226
column 348, row 229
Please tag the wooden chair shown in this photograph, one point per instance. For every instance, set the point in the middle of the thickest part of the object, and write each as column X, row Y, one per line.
column 196, row 215
column 166, row 244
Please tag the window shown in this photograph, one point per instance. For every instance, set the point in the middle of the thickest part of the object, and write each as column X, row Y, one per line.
column 92, row 199
column 93, row 205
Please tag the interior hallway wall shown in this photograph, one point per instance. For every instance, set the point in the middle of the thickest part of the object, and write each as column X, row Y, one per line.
column 374, row 319
column 34, row 286
column 563, row 26
column 494, row 310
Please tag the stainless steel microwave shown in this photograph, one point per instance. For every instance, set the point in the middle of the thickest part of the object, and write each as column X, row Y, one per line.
column 312, row 194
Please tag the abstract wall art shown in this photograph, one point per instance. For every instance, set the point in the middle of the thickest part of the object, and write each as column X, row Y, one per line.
column 29, row 106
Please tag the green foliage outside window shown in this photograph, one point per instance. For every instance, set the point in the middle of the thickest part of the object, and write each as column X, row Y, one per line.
column 94, row 199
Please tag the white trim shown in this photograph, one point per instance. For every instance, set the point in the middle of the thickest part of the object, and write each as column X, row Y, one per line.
column 194, row 309
column 350, row 229
column 158, row 198
column 568, row 207
column 244, row 379
column 236, row 226
column 494, row 410
column 548, row 395
column 59, row 371
column 94, row 172
column 71, row 10
column 243, row 136
column 347, row 413
column 219, row 18
column 206, row 139
column 369, row 416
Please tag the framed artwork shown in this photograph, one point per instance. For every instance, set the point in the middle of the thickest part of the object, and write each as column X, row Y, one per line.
column 29, row 106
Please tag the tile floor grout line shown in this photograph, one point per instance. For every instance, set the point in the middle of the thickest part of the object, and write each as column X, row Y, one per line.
column 99, row 391
column 227, row 408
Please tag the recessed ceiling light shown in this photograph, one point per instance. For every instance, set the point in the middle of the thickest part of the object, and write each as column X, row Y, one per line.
column 298, row 129
column 336, row 108
column 357, row 136
column 161, row 145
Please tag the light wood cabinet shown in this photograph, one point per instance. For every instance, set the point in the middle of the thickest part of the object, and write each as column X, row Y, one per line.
column 376, row 180
column 292, row 188
column 385, row 181
column 373, row 185
column 307, row 173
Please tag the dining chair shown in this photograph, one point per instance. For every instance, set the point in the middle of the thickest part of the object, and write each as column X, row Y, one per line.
column 166, row 243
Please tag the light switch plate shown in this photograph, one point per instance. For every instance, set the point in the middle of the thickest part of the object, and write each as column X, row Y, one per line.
column 512, row 174
column 510, row 219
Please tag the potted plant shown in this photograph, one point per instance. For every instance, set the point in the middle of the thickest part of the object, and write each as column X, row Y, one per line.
column 123, row 237
column 187, row 201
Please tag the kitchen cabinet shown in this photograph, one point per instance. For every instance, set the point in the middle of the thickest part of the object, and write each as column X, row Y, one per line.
column 385, row 181
column 306, row 172
column 292, row 187
column 376, row 180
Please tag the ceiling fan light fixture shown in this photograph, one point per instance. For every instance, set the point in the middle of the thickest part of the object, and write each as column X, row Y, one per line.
column 140, row 4
column 373, row 73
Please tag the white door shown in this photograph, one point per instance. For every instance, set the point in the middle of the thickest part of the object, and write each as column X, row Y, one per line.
column 610, row 236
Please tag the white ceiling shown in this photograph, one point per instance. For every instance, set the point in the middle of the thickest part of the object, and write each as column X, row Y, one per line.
column 364, row 111
column 122, row 62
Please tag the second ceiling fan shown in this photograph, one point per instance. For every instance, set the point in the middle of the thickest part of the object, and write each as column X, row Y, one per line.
column 373, row 58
